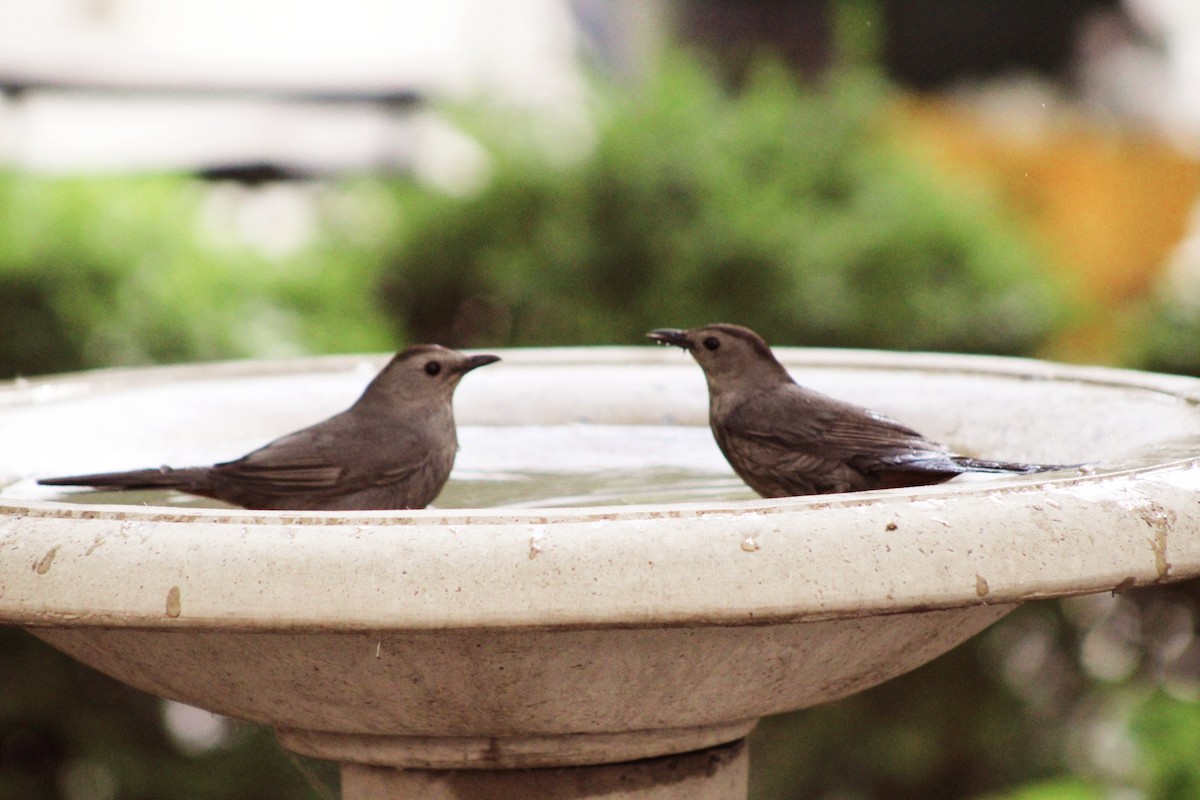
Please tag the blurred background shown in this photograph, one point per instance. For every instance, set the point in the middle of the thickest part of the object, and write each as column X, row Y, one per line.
column 187, row 181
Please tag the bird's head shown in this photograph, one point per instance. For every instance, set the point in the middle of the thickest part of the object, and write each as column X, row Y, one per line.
column 424, row 371
column 732, row 356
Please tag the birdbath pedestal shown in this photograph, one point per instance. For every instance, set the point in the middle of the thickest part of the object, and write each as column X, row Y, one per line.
column 567, row 652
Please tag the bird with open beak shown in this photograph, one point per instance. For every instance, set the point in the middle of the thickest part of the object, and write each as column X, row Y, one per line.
column 783, row 439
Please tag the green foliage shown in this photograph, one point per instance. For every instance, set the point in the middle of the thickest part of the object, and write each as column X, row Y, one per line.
column 778, row 206
column 1167, row 731
column 1169, row 338
column 66, row 731
column 945, row 730
column 1017, row 713
column 1056, row 789
column 136, row 270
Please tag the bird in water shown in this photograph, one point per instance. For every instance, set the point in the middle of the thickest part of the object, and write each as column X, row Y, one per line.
column 393, row 449
column 784, row 440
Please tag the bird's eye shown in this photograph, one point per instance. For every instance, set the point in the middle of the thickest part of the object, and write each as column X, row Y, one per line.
column 432, row 367
column 712, row 343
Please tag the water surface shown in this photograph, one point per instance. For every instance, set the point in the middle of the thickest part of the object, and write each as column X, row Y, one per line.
column 520, row 467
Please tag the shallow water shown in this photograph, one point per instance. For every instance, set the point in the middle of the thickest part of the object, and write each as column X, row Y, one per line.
column 523, row 466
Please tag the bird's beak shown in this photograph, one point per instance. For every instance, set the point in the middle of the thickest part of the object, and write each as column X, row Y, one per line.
column 478, row 361
column 671, row 336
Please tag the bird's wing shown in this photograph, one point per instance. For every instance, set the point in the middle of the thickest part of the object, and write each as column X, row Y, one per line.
column 814, row 443
column 774, row 470
column 807, row 422
column 316, row 462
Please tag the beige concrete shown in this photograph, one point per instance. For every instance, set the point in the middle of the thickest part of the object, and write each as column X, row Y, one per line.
column 493, row 697
column 519, row 638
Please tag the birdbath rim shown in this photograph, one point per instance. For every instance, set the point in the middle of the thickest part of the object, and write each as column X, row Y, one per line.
column 750, row 562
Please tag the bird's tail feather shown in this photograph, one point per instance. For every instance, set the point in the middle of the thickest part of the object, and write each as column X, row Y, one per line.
column 157, row 478
column 983, row 465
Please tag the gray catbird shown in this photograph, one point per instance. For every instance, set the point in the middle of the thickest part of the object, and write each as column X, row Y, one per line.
column 784, row 440
column 392, row 449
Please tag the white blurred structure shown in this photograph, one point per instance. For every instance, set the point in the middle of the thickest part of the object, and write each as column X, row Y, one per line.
column 1176, row 24
column 309, row 86
column 1144, row 65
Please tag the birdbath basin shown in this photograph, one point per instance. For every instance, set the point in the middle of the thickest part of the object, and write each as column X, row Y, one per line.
column 567, row 642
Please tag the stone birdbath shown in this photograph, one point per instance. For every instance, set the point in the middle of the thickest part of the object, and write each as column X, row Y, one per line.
column 538, row 634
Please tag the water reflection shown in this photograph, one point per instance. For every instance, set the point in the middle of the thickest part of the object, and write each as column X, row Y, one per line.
column 592, row 489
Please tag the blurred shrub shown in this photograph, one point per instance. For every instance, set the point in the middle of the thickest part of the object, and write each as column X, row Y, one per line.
column 1061, row 789
column 103, row 271
column 776, row 205
column 1164, row 329
column 1167, row 729
column 1169, row 340
column 1088, row 698
column 69, row 733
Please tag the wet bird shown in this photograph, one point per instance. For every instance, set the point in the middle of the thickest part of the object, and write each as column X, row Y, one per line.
column 392, row 449
column 784, row 440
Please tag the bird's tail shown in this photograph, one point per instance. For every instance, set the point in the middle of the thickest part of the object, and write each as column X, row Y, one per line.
column 158, row 478
column 983, row 465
